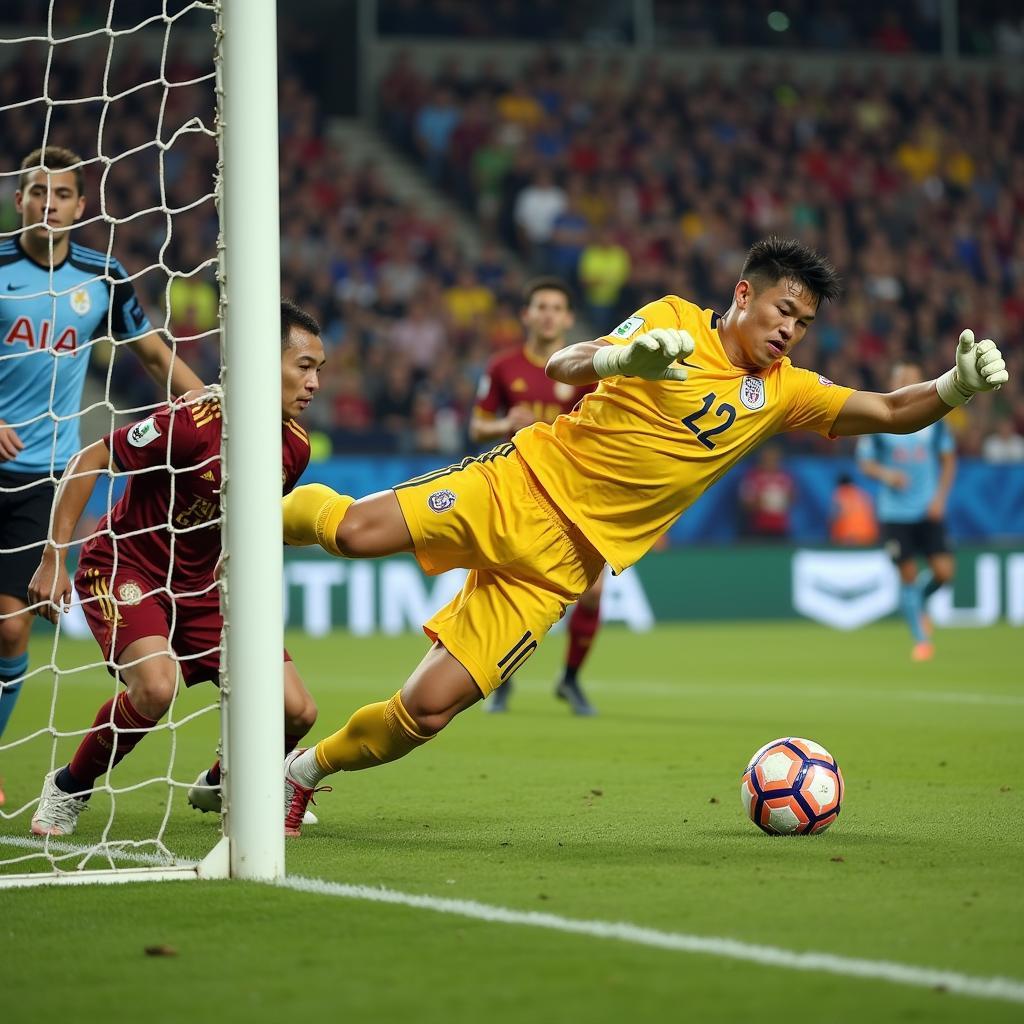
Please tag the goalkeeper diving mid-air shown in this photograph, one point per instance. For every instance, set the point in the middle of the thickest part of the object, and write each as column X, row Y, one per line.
column 684, row 394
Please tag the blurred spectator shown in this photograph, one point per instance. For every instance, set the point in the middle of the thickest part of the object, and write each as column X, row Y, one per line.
column 603, row 272
column 853, row 520
column 766, row 496
column 1004, row 444
column 536, row 210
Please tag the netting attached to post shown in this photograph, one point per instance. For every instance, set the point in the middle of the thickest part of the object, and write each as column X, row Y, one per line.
column 85, row 313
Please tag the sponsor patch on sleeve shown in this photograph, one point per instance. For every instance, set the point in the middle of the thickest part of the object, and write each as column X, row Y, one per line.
column 824, row 381
column 142, row 433
column 628, row 327
column 484, row 387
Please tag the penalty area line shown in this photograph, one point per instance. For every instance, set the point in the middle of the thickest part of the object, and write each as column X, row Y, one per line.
column 1003, row 989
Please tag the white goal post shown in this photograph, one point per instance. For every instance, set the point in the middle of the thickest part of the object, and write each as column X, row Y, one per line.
column 251, row 845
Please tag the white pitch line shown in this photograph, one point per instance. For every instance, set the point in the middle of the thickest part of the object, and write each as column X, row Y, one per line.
column 653, row 688
column 1004, row 989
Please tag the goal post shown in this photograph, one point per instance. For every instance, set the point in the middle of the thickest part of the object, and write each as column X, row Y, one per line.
column 240, row 54
column 251, row 376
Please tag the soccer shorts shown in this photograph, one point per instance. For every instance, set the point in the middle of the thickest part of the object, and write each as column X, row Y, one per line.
column 128, row 605
column 527, row 561
column 920, row 539
column 25, row 500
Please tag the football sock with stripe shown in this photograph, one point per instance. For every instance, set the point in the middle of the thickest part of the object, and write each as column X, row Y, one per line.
column 12, row 673
column 375, row 734
column 312, row 514
column 583, row 625
column 910, row 605
column 103, row 747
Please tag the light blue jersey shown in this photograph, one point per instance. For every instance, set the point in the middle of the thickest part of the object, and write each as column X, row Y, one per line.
column 47, row 326
column 917, row 455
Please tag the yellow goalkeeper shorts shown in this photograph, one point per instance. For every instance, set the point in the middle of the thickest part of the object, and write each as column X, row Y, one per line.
column 527, row 561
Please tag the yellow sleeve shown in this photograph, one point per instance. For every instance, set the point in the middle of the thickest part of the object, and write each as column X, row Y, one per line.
column 812, row 401
column 665, row 312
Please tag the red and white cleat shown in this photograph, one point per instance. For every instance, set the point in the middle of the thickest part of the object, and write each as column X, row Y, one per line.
column 297, row 799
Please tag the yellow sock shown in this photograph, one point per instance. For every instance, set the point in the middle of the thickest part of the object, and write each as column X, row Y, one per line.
column 375, row 734
column 312, row 514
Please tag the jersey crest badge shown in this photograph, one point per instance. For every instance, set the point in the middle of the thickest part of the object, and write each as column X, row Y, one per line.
column 129, row 592
column 629, row 327
column 441, row 501
column 752, row 393
column 80, row 301
column 518, row 385
column 142, row 433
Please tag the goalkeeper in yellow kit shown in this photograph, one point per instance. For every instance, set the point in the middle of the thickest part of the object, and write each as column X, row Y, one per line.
column 683, row 394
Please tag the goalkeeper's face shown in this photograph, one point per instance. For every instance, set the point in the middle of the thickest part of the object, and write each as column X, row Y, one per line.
column 49, row 203
column 302, row 359
column 772, row 320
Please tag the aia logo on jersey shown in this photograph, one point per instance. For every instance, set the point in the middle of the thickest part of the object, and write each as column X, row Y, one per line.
column 752, row 393
column 441, row 501
column 23, row 330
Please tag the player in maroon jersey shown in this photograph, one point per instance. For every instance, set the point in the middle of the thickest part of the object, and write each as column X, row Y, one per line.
column 147, row 576
column 514, row 393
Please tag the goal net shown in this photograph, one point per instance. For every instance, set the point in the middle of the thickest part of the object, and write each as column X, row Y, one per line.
column 139, row 94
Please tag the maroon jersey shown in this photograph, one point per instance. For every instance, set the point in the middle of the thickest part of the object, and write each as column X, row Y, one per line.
column 174, row 491
column 513, row 378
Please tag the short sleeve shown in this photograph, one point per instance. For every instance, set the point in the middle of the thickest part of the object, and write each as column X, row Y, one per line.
column 163, row 439
column 812, row 401
column 127, row 317
column 664, row 312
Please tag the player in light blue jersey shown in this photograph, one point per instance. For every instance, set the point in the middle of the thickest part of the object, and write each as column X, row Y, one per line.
column 57, row 298
column 916, row 474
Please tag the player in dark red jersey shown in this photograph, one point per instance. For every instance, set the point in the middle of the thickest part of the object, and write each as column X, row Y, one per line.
column 147, row 575
column 514, row 393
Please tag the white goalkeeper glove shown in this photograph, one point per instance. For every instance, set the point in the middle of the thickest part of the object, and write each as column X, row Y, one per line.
column 979, row 367
column 648, row 356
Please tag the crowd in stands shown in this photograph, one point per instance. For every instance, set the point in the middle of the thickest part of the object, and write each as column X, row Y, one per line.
column 983, row 27
column 638, row 186
column 630, row 187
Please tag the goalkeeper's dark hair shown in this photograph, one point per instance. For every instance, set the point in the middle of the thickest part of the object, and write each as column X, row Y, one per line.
column 775, row 259
column 292, row 316
column 52, row 158
column 546, row 284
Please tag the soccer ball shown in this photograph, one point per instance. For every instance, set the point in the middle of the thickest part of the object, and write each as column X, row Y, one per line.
column 792, row 786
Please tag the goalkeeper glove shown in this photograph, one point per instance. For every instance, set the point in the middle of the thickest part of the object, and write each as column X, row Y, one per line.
column 979, row 367
column 648, row 356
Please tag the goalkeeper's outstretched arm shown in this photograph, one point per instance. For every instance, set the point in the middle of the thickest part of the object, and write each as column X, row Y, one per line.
column 979, row 367
column 49, row 590
column 650, row 356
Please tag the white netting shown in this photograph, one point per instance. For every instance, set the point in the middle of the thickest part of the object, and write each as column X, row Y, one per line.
column 132, row 92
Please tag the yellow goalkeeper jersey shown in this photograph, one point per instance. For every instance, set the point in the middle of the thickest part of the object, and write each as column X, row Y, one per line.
column 635, row 454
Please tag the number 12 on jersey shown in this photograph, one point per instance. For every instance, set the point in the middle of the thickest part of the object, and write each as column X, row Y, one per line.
column 725, row 412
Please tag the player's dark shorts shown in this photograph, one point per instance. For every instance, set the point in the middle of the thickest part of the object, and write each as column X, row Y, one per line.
column 125, row 606
column 922, row 539
column 25, row 500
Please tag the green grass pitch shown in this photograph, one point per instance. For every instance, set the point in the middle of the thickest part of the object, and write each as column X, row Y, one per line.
column 634, row 817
